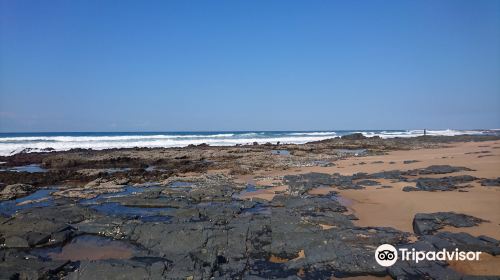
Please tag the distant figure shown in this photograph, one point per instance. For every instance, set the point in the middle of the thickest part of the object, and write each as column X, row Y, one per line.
column 425, row 132
column 277, row 144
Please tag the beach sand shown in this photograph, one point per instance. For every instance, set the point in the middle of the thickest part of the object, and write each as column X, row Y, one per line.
column 392, row 207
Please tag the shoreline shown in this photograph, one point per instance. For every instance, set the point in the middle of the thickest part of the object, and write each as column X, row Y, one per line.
column 327, row 191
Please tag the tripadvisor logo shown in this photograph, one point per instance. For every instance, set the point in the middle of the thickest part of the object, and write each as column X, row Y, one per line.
column 386, row 255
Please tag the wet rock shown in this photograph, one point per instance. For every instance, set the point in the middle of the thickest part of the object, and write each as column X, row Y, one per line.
column 354, row 136
column 410, row 189
column 108, row 226
column 19, row 265
column 42, row 226
column 346, row 252
column 423, row 269
column 441, row 169
column 443, row 184
column 308, row 205
column 40, row 179
column 302, row 183
column 15, row 242
column 368, row 183
column 121, row 269
column 392, row 174
column 105, row 183
column 435, row 169
column 463, row 242
column 16, row 191
column 430, row 223
column 491, row 182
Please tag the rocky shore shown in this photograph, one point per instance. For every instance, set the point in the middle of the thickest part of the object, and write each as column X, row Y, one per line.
column 247, row 212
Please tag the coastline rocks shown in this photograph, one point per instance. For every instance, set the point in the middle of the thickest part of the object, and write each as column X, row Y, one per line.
column 354, row 136
column 135, row 268
column 19, row 265
column 16, row 191
column 424, row 224
column 437, row 169
column 443, row 169
column 302, row 183
column 410, row 189
column 442, row 184
column 209, row 232
column 464, row 242
column 423, row 269
column 106, row 183
column 368, row 183
column 93, row 189
column 491, row 182
column 345, row 252
column 41, row 226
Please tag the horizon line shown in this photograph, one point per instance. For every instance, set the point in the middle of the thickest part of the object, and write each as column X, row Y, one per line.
column 242, row 131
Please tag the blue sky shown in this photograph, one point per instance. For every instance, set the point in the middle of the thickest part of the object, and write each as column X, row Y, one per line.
column 248, row 65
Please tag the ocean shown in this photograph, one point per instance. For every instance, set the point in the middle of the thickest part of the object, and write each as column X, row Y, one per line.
column 11, row 143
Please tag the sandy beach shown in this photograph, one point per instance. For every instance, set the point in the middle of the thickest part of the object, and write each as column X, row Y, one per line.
column 392, row 207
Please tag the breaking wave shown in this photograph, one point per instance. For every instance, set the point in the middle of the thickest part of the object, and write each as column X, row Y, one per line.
column 11, row 143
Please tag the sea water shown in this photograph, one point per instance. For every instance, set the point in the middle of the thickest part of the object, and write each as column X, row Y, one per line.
column 12, row 143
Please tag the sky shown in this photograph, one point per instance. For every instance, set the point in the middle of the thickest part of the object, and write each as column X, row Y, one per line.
column 248, row 65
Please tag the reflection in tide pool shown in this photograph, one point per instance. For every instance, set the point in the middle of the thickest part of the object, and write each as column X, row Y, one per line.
column 128, row 190
column 280, row 152
column 31, row 168
column 89, row 247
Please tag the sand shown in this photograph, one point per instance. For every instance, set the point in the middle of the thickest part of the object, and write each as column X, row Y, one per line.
column 375, row 206
column 392, row 207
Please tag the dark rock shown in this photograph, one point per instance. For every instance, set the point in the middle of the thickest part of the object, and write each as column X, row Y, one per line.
column 393, row 174
column 410, row 189
column 410, row 161
column 368, row 183
column 424, row 269
column 121, row 269
column 436, row 169
column 302, row 183
column 464, row 242
column 42, row 226
column 431, row 222
column 354, row 136
column 19, row 265
column 442, row 169
column 491, row 182
column 443, row 184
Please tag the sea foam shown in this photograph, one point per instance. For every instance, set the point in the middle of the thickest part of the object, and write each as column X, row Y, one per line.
column 35, row 142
